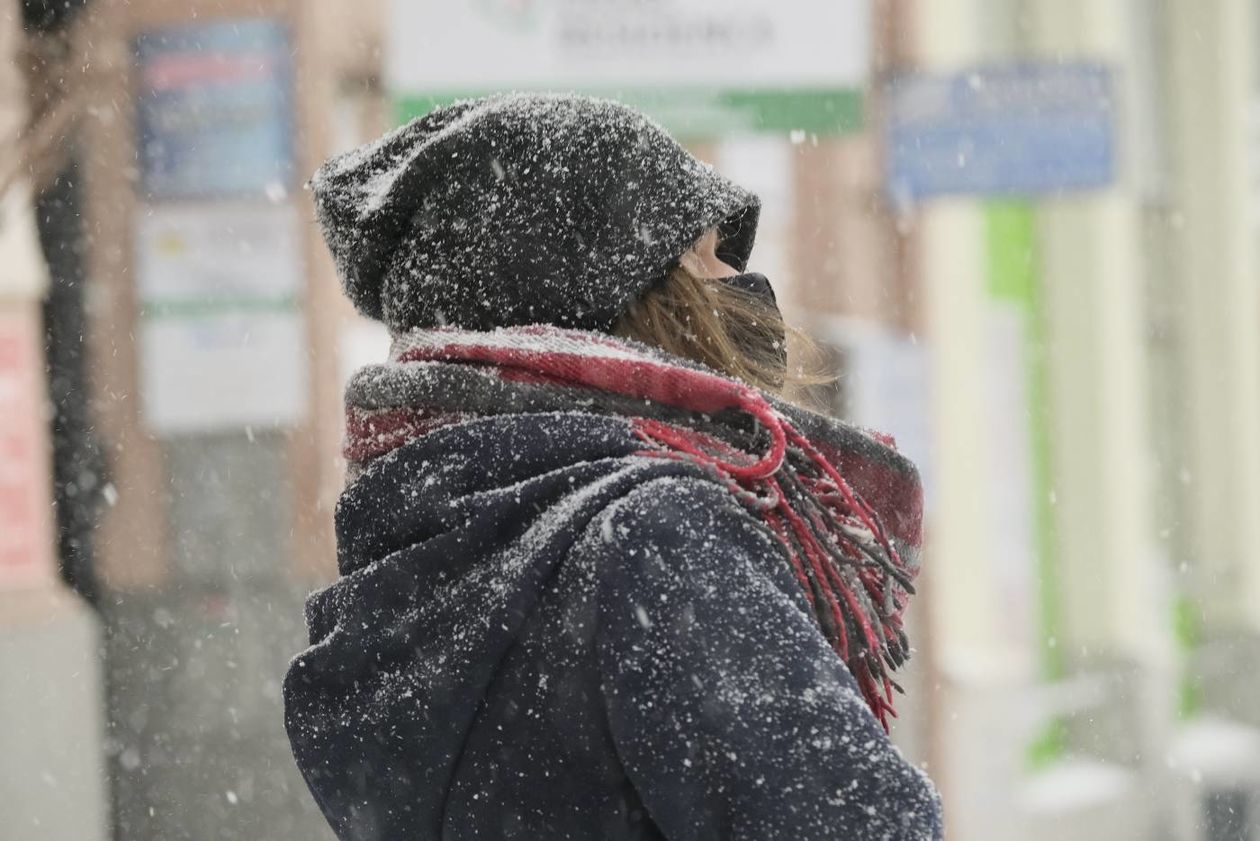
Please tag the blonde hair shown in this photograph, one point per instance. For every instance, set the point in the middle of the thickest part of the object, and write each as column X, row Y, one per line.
column 722, row 326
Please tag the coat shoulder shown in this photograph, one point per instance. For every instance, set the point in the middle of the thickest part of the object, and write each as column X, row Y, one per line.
column 689, row 525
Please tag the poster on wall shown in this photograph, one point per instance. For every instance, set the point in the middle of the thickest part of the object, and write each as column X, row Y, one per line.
column 221, row 253
column 227, row 370
column 222, row 338
column 25, row 532
column 887, row 387
column 214, row 110
column 702, row 67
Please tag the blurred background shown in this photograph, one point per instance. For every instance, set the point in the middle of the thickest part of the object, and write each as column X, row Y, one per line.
column 1024, row 232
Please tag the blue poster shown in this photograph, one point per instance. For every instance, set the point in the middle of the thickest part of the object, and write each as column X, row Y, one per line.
column 215, row 110
column 1020, row 130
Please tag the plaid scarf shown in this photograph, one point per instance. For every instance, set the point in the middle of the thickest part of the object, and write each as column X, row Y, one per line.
column 844, row 505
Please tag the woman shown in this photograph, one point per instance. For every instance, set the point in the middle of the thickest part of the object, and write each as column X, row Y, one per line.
column 596, row 581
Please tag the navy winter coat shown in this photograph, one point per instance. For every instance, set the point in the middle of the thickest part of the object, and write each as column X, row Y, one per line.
column 539, row 634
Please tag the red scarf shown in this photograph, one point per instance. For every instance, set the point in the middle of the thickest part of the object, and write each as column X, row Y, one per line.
column 848, row 550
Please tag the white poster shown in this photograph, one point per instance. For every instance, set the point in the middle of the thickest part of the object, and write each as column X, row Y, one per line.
column 221, row 253
column 437, row 45
column 764, row 166
column 222, row 338
column 223, row 371
column 887, row 388
column 23, row 272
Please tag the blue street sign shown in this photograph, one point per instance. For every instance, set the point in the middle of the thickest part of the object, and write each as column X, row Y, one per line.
column 1026, row 129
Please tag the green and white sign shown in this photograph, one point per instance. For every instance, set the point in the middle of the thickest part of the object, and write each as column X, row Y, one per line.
column 221, row 337
column 701, row 67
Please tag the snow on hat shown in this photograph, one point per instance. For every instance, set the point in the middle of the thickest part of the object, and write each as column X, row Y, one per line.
column 520, row 209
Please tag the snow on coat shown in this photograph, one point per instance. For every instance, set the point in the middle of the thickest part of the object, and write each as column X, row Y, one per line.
column 547, row 628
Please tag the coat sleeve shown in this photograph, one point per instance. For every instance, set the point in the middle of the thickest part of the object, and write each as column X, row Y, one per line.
column 731, row 714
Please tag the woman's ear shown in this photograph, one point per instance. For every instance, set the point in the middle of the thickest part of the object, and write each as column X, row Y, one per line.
column 701, row 259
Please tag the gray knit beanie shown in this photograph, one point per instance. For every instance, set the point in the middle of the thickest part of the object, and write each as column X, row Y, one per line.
column 520, row 209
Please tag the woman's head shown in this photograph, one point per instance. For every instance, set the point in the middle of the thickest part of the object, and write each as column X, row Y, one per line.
column 555, row 209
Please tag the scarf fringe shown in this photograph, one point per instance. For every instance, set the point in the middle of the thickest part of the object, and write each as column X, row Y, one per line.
column 848, row 568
